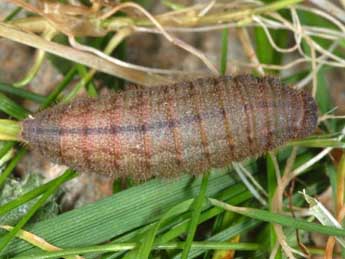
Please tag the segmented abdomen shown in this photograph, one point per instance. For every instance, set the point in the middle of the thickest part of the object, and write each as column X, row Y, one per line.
column 185, row 127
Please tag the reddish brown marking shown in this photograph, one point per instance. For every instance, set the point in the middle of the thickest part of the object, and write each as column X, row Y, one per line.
column 115, row 151
column 285, row 95
column 220, row 91
column 120, row 128
column 86, row 139
column 302, row 124
column 250, row 111
column 196, row 99
column 247, row 112
column 290, row 102
column 274, row 110
column 266, row 113
column 172, row 116
column 144, row 120
column 38, row 125
column 61, row 137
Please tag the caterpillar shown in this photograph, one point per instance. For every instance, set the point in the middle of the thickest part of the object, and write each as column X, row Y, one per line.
column 163, row 131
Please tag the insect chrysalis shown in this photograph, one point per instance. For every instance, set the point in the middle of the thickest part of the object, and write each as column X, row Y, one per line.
column 183, row 127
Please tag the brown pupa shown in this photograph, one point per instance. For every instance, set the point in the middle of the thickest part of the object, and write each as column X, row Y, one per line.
column 163, row 131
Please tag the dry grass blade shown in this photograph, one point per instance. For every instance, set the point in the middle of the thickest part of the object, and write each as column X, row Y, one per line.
column 78, row 56
column 38, row 241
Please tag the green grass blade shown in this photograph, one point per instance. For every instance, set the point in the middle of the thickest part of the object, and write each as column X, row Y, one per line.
column 8, row 237
column 196, row 210
column 11, row 108
column 264, row 50
column 85, row 80
column 12, row 14
column 239, row 195
column 113, row 216
column 319, row 143
column 6, row 147
column 224, row 51
column 146, row 247
column 280, row 219
column 228, row 233
column 28, row 196
column 10, row 130
column 236, row 194
column 25, row 94
column 128, row 246
column 271, row 187
column 85, row 77
column 8, row 170
column 60, row 87
column 172, row 5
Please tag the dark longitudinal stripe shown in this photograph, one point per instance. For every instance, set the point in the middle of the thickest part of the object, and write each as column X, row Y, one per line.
column 226, row 118
column 118, row 128
column 203, row 127
column 172, row 116
column 196, row 99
